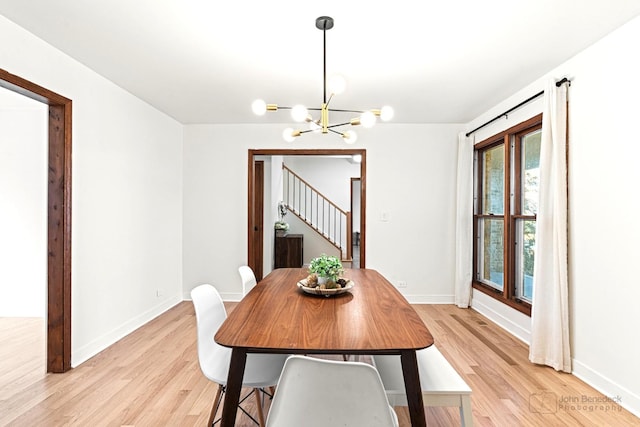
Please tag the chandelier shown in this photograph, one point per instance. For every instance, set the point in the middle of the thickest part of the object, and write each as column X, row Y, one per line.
column 300, row 113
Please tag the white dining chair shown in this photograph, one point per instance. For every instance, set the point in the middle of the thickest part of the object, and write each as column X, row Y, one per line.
column 318, row 393
column 248, row 278
column 261, row 371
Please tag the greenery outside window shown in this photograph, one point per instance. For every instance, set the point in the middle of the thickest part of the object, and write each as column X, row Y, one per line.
column 506, row 204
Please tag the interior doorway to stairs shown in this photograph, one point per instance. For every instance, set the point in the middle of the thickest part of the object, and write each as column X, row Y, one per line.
column 255, row 214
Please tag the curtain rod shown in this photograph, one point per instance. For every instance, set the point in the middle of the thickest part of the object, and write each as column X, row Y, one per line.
column 558, row 84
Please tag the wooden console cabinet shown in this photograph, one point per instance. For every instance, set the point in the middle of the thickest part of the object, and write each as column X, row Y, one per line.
column 288, row 251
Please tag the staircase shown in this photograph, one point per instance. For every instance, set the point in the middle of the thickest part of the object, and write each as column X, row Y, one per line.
column 318, row 212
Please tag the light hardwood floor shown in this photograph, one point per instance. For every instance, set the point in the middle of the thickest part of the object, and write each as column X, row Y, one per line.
column 152, row 378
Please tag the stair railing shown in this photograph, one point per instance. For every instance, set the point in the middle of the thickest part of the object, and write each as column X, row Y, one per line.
column 317, row 211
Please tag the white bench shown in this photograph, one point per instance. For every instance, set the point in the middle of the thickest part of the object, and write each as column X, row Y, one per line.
column 441, row 384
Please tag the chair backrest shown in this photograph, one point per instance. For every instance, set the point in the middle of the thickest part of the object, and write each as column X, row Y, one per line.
column 318, row 393
column 248, row 278
column 210, row 314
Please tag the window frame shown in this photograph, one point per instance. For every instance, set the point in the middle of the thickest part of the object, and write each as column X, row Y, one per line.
column 512, row 211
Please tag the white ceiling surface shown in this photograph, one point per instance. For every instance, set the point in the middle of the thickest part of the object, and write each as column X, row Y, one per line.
column 202, row 61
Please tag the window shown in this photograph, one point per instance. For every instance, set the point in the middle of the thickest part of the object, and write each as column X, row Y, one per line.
column 506, row 204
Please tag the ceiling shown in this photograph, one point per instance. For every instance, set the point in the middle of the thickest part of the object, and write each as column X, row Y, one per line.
column 203, row 61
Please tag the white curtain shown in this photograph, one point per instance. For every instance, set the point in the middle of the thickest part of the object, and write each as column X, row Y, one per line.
column 550, row 307
column 464, row 221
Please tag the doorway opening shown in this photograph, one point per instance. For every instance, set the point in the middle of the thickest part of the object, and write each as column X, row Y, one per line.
column 255, row 231
column 58, row 218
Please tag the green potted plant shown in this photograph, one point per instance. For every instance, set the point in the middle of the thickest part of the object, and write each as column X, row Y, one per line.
column 281, row 228
column 326, row 267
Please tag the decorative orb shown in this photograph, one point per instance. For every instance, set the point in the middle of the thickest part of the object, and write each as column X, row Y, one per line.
column 386, row 113
column 336, row 84
column 350, row 137
column 299, row 113
column 287, row 134
column 259, row 107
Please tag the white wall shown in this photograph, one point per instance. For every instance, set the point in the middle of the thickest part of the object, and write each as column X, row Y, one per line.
column 127, row 196
column 604, row 231
column 411, row 181
column 272, row 195
column 410, row 177
column 356, row 187
column 23, row 206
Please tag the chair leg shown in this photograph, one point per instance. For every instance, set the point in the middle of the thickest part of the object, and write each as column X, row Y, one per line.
column 216, row 405
column 256, row 391
column 346, row 357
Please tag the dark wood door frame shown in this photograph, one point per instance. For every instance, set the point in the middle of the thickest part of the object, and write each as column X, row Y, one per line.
column 258, row 219
column 252, row 153
column 58, row 219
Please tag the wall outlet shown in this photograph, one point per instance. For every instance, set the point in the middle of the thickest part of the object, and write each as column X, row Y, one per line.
column 159, row 293
column 402, row 284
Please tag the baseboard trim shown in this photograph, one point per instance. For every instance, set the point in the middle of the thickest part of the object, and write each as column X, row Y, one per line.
column 505, row 317
column 430, row 299
column 86, row 352
column 619, row 394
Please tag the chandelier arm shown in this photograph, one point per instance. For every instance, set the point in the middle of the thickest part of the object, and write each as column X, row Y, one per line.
column 346, row 111
column 338, row 125
column 328, row 101
column 320, row 109
column 328, row 128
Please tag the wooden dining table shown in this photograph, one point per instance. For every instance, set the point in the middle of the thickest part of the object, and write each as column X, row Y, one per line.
column 278, row 317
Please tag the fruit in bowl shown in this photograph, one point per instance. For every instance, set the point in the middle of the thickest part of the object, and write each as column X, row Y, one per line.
column 312, row 282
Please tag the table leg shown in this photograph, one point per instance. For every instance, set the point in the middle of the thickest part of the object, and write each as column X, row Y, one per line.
column 234, row 386
column 413, row 388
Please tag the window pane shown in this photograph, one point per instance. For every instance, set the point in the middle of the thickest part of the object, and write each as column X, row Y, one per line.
column 530, row 172
column 526, row 241
column 493, row 180
column 491, row 251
